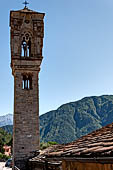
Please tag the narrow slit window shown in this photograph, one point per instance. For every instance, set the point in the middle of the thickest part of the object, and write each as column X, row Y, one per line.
column 24, row 48
column 23, row 84
column 22, row 51
column 29, row 48
column 28, row 84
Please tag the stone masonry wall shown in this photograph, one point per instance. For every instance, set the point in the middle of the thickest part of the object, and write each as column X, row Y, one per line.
column 27, row 32
column 26, row 117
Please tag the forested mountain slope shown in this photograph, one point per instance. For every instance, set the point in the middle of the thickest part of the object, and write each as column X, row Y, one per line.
column 73, row 120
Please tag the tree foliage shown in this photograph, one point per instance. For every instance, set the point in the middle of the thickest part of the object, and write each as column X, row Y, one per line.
column 5, row 138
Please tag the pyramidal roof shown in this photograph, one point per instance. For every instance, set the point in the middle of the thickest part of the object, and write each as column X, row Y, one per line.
column 27, row 10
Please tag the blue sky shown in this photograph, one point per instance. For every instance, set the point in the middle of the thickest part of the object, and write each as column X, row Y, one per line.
column 78, row 51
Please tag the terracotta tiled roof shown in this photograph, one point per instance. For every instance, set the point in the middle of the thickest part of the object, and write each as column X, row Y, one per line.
column 96, row 144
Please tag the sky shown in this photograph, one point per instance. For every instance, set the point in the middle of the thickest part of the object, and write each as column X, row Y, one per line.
column 78, row 51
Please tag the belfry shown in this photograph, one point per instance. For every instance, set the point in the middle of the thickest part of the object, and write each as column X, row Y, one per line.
column 27, row 32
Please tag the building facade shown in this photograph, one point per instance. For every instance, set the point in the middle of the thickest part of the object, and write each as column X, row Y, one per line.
column 27, row 32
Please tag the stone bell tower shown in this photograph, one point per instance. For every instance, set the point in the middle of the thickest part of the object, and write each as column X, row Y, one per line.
column 27, row 32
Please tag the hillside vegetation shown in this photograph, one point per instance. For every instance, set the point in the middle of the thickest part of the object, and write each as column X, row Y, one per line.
column 73, row 120
column 8, row 128
column 5, row 139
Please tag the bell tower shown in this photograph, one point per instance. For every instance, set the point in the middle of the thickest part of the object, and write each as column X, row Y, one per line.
column 26, row 35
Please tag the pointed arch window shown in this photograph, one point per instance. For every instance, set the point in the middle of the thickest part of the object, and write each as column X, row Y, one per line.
column 26, row 46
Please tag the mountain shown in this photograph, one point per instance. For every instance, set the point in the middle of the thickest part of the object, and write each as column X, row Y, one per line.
column 75, row 119
column 6, row 120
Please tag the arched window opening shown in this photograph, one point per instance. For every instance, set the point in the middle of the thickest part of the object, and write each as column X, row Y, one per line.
column 26, row 46
column 30, row 81
column 23, row 84
column 27, row 82
column 29, row 48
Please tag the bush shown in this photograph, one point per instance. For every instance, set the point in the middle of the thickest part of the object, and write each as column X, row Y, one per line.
column 52, row 143
column 45, row 145
column 1, row 156
column 4, row 157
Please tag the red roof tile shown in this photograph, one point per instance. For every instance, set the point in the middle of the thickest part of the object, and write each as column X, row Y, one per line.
column 98, row 143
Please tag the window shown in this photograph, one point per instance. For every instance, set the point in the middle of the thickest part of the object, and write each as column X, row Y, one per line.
column 26, row 46
column 29, row 48
column 27, row 82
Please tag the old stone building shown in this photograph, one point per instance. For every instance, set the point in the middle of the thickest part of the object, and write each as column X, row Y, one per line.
column 91, row 152
column 27, row 32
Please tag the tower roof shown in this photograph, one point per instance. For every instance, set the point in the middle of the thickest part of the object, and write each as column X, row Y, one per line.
column 27, row 10
column 17, row 13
